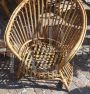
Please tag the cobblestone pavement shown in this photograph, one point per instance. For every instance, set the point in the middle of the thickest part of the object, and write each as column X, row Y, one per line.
column 79, row 85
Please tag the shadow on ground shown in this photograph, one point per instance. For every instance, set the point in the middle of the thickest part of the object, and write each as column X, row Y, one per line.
column 86, row 2
column 8, row 79
column 82, row 59
column 83, row 90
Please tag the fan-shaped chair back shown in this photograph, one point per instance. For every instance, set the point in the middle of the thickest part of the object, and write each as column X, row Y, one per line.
column 46, row 32
column 59, row 21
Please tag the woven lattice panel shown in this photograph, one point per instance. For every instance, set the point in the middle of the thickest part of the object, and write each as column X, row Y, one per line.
column 42, row 56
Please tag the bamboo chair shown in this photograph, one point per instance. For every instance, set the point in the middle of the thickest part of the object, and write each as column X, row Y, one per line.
column 45, row 35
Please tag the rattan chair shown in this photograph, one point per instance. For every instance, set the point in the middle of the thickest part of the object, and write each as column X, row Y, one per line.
column 45, row 35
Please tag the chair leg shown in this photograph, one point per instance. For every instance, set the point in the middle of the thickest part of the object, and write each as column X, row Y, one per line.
column 18, row 75
column 64, row 81
column 20, row 71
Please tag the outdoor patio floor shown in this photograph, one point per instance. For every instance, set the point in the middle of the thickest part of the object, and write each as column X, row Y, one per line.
column 79, row 85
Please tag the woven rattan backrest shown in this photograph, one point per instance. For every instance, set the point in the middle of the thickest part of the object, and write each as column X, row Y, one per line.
column 63, row 21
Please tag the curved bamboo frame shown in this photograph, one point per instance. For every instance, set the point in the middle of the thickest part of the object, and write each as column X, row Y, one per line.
column 43, row 17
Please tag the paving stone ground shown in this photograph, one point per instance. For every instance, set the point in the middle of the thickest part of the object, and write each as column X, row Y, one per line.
column 79, row 85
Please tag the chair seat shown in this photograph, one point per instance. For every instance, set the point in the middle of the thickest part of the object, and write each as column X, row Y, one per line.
column 41, row 59
column 42, row 55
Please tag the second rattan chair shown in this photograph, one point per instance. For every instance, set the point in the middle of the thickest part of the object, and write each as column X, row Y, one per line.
column 45, row 35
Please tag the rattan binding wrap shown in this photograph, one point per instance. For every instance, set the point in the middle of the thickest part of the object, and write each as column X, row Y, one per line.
column 45, row 35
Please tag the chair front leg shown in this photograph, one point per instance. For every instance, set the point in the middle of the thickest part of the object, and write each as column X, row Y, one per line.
column 64, row 81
